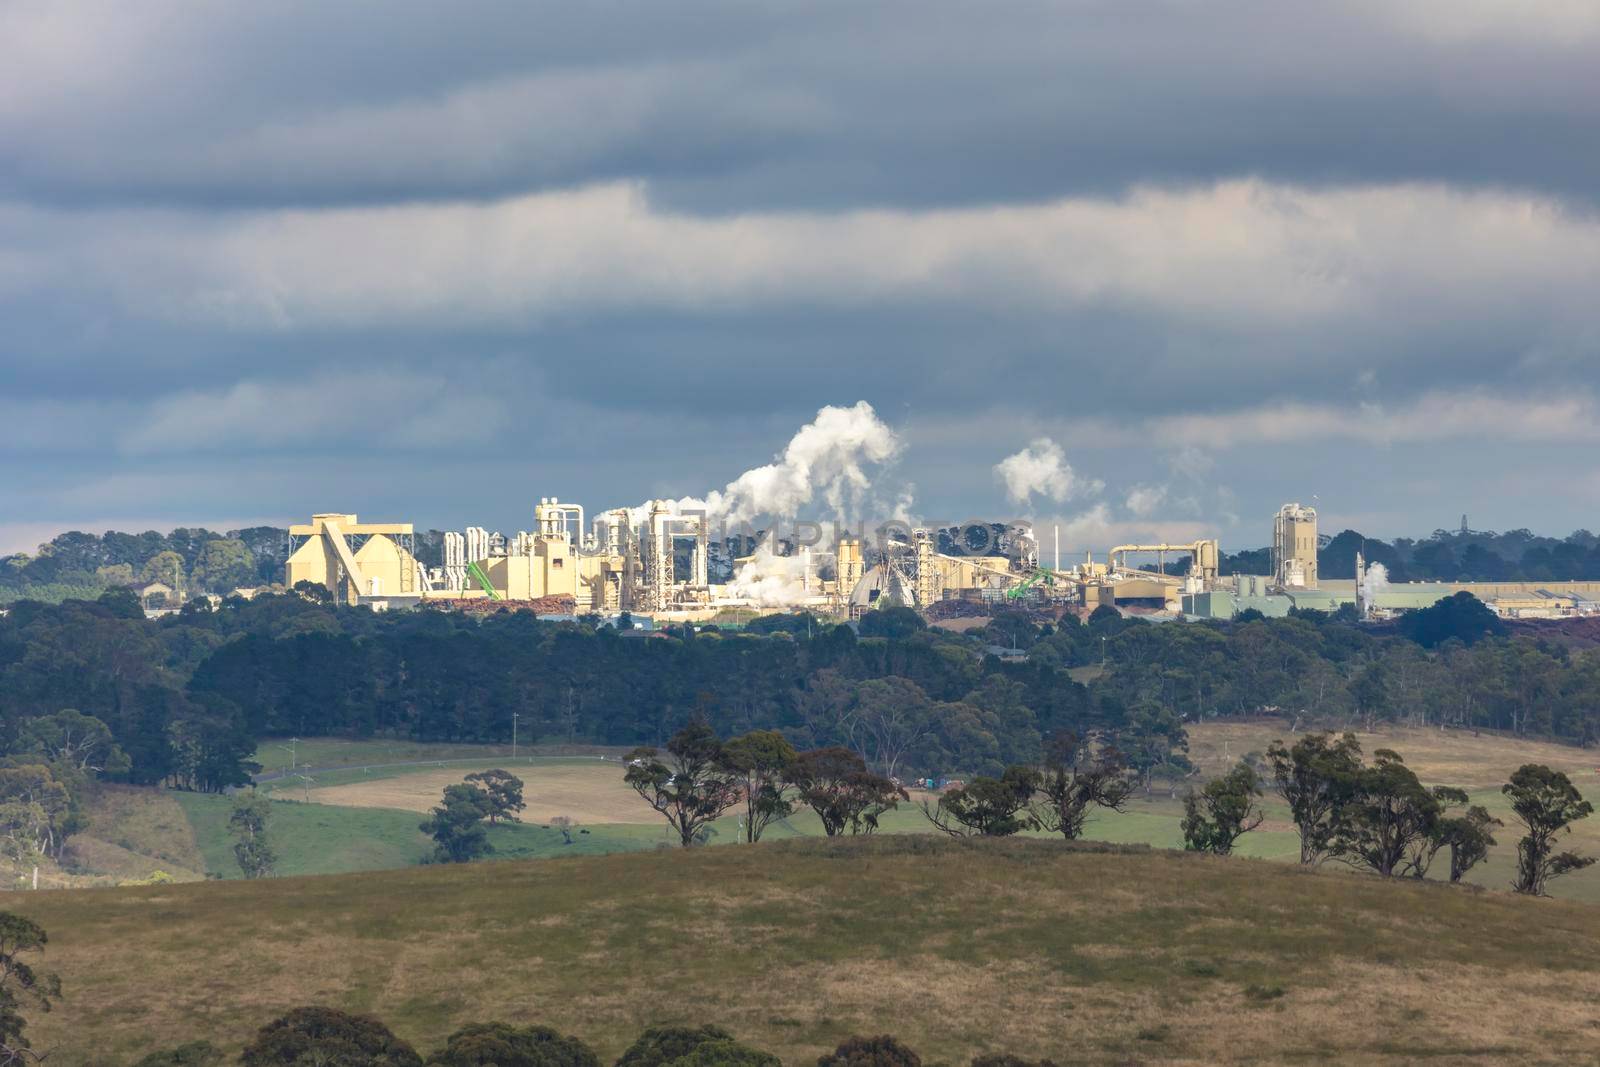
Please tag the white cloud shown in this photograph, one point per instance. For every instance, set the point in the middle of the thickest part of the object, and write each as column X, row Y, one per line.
column 1564, row 24
column 1041, row 469
column 1146, row 500
column 1246, row 255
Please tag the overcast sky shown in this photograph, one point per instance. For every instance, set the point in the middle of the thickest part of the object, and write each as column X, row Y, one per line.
column 1183, row 261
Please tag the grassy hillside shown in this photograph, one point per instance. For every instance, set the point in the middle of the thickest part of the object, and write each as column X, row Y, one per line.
column 958, row 947
column 1479, row 763
column 311, row 838
column 132, row 834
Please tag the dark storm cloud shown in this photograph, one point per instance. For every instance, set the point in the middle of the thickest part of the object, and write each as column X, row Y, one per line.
column 432, row 262
column 725, row 106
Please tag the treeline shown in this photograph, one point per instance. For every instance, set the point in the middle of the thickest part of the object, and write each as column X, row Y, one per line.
column 1448, row 665
column 197, row 560
column 1378, row 818
column 186, row 697
column 1448, row 556
column 190, row 560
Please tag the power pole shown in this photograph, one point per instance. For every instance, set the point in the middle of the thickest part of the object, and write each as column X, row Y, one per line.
column 513, row 735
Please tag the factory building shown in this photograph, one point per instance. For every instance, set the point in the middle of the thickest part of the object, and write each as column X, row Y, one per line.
column 355, row 561
column 656, row 561
column 653, row 560
column 1294, row 547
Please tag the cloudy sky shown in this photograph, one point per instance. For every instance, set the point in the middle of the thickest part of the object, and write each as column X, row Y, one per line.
column 1143, row 269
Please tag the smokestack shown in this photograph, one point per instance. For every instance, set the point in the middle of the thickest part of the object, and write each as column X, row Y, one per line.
column 1058, row 548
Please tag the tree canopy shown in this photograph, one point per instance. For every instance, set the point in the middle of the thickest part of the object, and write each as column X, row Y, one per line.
column 1546, row 803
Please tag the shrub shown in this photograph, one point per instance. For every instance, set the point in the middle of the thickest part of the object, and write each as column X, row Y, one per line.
column 880, row 1051
column 693, row 1046
column 726, row 1053
column 1263, row 992
column 1005, row 1059
column 191, row 1054
column 503, row 1045
column 325, row 1037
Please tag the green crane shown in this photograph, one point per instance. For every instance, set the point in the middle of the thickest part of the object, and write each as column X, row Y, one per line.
column 483, row 580
column 1018, row 591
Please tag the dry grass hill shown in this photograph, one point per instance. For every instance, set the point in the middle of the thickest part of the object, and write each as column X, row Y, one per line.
column 1091, row 954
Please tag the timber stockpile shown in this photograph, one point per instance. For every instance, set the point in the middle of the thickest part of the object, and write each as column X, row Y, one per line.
column 544, row 605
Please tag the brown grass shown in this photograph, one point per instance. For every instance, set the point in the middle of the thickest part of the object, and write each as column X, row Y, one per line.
column 591, row 793
column 1455, row 757
column 132, row 834
column 1480, row 763
column 1084, row 955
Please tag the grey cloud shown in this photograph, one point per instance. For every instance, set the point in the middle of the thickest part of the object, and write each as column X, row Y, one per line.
column 725, row 105
column 1285, row 287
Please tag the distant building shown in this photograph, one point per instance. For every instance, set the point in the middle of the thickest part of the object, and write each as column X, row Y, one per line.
column 157, row 595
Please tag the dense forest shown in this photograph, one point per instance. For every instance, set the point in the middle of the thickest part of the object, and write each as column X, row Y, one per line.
column 203, row 561
column 186, row 696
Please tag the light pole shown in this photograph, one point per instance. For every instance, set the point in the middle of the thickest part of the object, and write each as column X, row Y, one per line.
column 289, row 748
column 513, row 735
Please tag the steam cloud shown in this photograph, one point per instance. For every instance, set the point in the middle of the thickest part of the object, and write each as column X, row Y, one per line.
column 1375, row 581
column 1040, row 469
column 769, row 580
column 828, row 459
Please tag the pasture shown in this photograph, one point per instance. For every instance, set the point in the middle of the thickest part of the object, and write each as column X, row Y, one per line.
column 591, row 791
column 1085, row 954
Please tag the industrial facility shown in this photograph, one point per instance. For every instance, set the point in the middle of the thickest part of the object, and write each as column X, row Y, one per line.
column 656, row 561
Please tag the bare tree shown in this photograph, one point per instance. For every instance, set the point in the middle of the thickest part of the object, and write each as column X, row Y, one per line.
column 893, row 715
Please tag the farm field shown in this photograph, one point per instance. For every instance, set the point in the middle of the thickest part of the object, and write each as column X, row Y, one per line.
column 1085, row 954
column 363, row 814
column 1478, row 763
column 585, row 789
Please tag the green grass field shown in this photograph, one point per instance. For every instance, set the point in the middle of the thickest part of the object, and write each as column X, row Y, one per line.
column 351, row 834
column 364, row 814
column 311, row 838
column 1031, row 947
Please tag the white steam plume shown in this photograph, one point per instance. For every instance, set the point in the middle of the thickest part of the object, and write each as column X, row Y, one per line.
column 828, row 460
column 769, row 580
column 1041, row 469
column 1375, row 581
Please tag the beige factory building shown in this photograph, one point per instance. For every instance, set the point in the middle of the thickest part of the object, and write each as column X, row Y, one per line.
column 627, row 563
column 375, row 563
column 355, row 561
